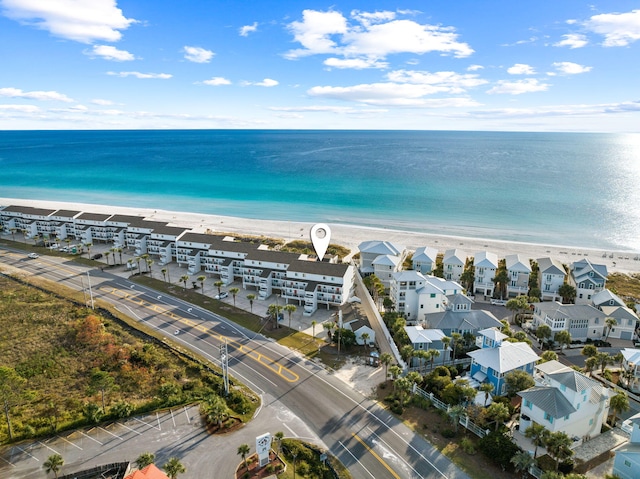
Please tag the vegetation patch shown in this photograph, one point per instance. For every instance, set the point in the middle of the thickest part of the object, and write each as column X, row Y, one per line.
column 66, row 366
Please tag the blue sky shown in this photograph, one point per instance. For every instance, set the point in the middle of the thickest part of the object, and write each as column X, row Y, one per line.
column 526, row 65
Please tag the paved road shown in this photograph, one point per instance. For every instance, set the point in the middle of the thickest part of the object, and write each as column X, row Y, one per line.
column 299, row 397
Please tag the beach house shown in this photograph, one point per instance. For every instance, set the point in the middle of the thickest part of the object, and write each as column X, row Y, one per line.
column 631, row 368
column 519, row 270
column 626, row 464
column 370, row 250
column 415, row 295
column 384, row 266
column 626, row 322
column 588, row 279
column 583, row 321
column 485, row 265
column 423, row 339
column 424, row 259
column 566, row 400
column 453, row 263
column 460, row 318
column 492, row 362
column 26, row 220
column 551, row 276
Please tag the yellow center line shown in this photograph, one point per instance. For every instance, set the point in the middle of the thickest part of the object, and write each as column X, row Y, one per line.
column 374, row 454
column 282, row 371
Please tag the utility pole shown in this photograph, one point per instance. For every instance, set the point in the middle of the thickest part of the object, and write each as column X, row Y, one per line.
column 90, row 291
column 224, row 363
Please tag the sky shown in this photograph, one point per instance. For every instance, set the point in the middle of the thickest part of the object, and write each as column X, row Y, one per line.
column 516, row 65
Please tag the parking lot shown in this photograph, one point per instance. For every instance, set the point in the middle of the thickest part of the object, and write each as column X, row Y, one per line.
column 122, row 440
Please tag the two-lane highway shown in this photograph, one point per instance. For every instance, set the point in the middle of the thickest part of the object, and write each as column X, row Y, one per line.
column 370, row 441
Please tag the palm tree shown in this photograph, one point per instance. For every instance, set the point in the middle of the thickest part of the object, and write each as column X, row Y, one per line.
column 365, row 338
column 137, row 260
column 543, row 333
column 395, row 371
column 385, row 359
column 144, row 257
column 498, row 412
column 218, row 284
column 164, row 274
column 567, row 292
column 402, row 386
column 501, row 278
column 406, row 352
column 313, row 328
column 548, row 356
column 455, row 413
column 173, row 467
column 619, row 403
column 201, row 280
column 53, row 464
column 290, row 309
column 145, row 459
column 455, row 337
column 563, row 338
column 558, row 446
column 149, row 264
column 610, row 323
column 431, row 355
column 329, row 325
column 274, row 310
column 243, row 451
column 590, row 364
column 107, row 254
column 603, row 360
column 234, row 291
column 119, row 251
column 487, row 389
column 215, row 409
column 522, row 462
column 251, row 297
column 279, row 436
column 88, row 246
column 446, row 341
column 184, row 278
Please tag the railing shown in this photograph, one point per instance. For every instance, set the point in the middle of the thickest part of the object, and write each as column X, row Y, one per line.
column 464, row 419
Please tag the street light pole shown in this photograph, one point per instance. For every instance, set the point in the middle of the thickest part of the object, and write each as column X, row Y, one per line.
column 90, row 291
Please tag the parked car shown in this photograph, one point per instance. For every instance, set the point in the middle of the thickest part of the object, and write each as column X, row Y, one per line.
column 222, row 295
column 64, row 249
column 97, row 256
column 499, row 302
column 33, row 255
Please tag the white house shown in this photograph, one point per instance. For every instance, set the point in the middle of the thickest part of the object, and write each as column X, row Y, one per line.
column 627, row 321
column 485, row 266
column 384, row 266
column 519, row 271
column 416, row 295
column 606, row 298
column 581, row 320
column 453, row 264
column 631, row 366
column 423, row 339
column 566, row 400
column 626, row 464
column 370, row 250
column 360, row 327
column 551, row 277
column 588, row 279
column 424, row 259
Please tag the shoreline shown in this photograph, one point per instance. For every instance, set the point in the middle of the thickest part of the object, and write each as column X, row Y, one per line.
column 351, row 236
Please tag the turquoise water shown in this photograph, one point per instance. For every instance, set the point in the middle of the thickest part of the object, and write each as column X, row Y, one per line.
column 555, row 188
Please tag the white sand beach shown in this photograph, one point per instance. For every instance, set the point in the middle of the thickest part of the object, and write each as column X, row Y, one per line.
column 351, row 236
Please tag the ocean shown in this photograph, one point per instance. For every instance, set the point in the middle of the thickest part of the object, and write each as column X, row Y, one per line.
column 569, row 189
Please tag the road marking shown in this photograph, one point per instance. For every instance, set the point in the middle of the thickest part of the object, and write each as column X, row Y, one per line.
column 293, row 434
column 93, row 439
column 67, row 440
column 43, row 444
column 10, row 463
column 186, row 413
column 130, row 429
column 147, row 424
column 374, row 454
column 28, row 454
column 372, row 432
column 172, row 418
column 108, row 432
column 356, row 459
column 282, row 371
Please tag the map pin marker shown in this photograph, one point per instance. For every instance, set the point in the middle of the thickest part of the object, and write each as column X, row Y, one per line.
column 320, row 237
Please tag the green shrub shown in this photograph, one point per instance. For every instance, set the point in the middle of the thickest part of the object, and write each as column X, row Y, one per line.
column 468, row 446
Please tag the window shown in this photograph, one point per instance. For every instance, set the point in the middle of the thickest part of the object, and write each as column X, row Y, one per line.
column 548, row 417
column 627, row 463
column 528, row 404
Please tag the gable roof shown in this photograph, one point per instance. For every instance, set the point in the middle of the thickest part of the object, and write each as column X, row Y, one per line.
column 386, row 260
column 455, row 256
column 418, row 334
column 148, row 472
column 473, row 320
column 549, row 399
column 493, row 333
column 631, row 355
column 619, row 312
column 582, row 268
column 567, row 376
column 605, row 296
column 556, row 310
column 506, row 357
column 485, row 259
column 550, row 266
column 380, row 247
column 516, row 262
column 425, row 253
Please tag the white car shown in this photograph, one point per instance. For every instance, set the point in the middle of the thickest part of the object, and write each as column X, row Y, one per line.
column 33, row 255
column 222, row 295
column 499, row 302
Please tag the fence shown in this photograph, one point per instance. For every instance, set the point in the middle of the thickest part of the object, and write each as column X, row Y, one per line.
column 464, row 420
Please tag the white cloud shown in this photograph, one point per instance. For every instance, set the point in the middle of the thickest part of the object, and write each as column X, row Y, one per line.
column 267, row 82
column 518, row 87
column 34, row 95
column 371, row 37
column 108, row 52
column 247, row 29
column 101, row 102
column 570, row 68
column 572, row 40
column 19, row 108
column 161, row 76
column 390, row 94
column 521, row 69
column 354, row 63
column 197, row 54
column 217, row 81
column 618, row 29
column 449, row 82
column 474, row 68
column 325, row 108
column 83, row 21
